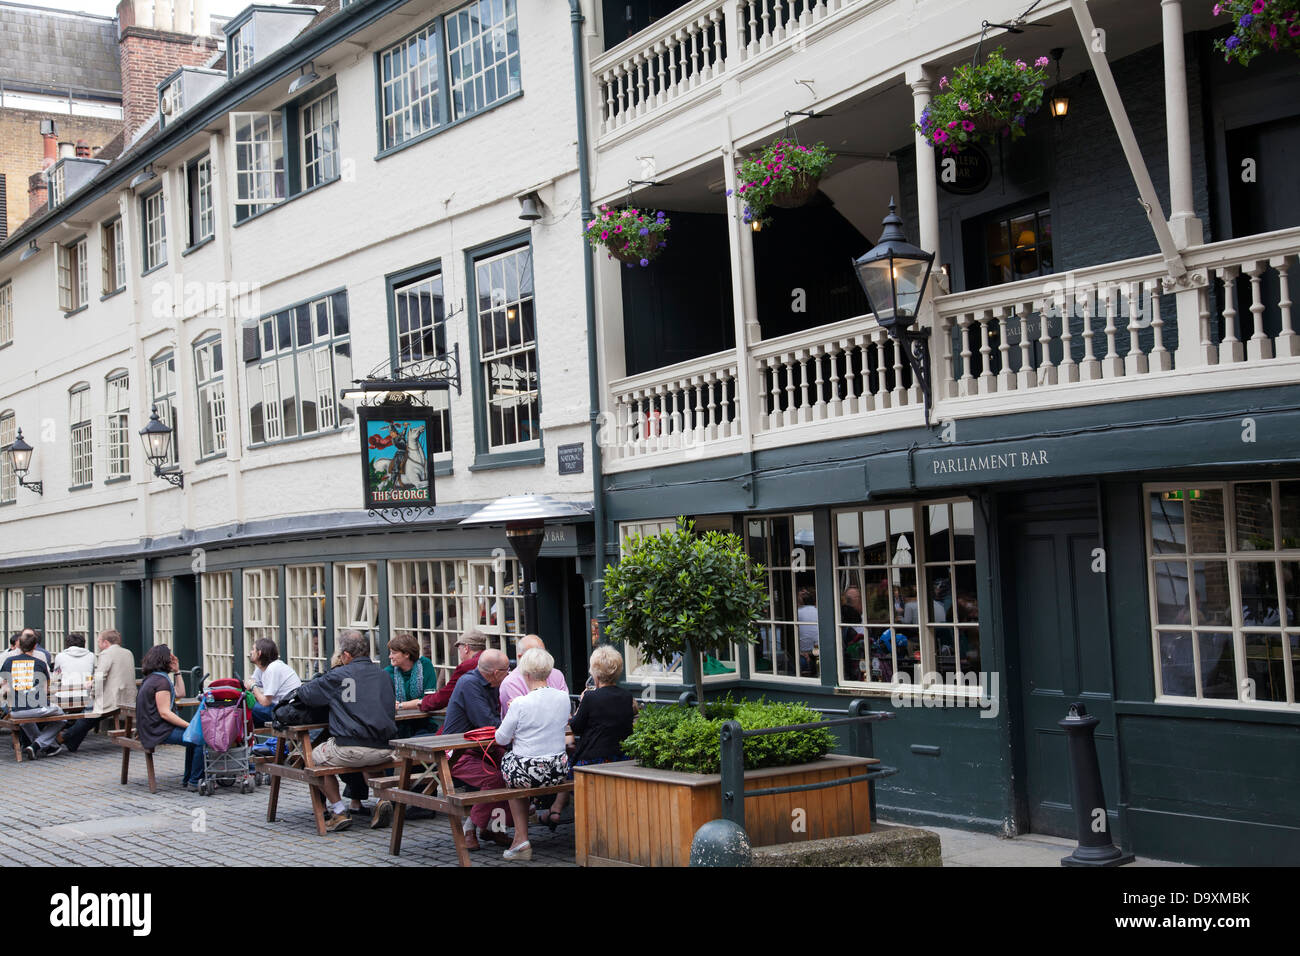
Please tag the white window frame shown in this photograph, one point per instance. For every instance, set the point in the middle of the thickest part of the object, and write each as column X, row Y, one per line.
column 421, row 336
column 55, row 185
column 356, row 600
column 633, row 660
column 414, row 64
column 117, row 421
column 8, row 478
column 496, row 601
column 17, row 610
column 153, row 215
column 6, row 313
column 79, row 612
column 241, row 49
column 783, row 575
column 257, row 142
column 81, row 436
column 479, row 56
column 284, row 369
column 105, row 598
column 198, row 202
column 54, row 618
column 261, row 605
column 319, row 146
column 210, row 385
column 425, row 601
column 113, row 256
column 218, row 606
column 162, row 396
column 924, row 628
column 162, row 599
column 73, row 276
column 307, row 644
column 503, row 292
column 1233, row 557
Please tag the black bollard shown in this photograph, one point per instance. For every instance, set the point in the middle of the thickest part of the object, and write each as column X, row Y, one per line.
column 721, row 843
column 1095, row 845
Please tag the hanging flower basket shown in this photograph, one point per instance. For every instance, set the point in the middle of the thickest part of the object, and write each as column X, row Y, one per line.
column 986, row 102
column 1259, row 26
column 633, row 236
column 784, row 174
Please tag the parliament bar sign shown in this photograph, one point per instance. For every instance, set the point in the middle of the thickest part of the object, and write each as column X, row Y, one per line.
column 989, row 462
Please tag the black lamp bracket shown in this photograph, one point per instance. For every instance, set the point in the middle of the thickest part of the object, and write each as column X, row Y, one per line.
column 916, row 346
column 173, row 475
column 36, row 486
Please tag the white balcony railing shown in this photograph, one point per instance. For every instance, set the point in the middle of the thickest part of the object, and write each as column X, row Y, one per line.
column 695, row 45
column 1102, row 334
column 686, row 406
column 830, row 373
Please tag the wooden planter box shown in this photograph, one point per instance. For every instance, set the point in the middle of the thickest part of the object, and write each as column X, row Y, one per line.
column 631, row 815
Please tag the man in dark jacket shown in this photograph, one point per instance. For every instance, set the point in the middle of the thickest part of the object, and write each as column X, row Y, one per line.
column 361, row 704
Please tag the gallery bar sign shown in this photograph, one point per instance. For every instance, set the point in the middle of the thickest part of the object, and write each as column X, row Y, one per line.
column 396, row 464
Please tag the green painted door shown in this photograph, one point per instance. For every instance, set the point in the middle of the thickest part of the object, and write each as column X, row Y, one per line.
column 1063, row 656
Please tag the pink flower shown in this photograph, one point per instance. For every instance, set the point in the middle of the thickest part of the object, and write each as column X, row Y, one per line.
column 963, row 106
column 988, row 97
column 943, row 81
column 953, row 124
column 1259, row 6
column 1294, row 29
column 940, row 136
column 1041, row 61
column 1015, row 97
column 1218, row 8
column 967, row 125
column 1021, row 65
column 605, row 234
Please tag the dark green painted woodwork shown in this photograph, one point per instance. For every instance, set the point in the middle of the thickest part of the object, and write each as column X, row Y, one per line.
column 1213, row 791
column 1057, row 629
column 34, row 607
column 185, row 622
column 130, row 617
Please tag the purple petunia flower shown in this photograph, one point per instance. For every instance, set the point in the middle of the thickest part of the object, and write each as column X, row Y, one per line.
column 644, row 263
column 644, row 231
column 1233, row 42
column 1246, row 20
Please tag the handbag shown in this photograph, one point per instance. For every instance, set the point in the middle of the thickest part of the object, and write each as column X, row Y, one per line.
column 291, row 712
column 194, row 732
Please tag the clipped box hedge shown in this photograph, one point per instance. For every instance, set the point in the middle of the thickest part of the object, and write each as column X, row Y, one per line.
column 677, row 737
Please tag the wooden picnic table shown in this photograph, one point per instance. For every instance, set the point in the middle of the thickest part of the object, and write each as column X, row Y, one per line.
column 293, row 752
column 13, row 722
column 439, row 752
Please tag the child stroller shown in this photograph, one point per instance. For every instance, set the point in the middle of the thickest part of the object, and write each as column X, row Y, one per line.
column 227, row 725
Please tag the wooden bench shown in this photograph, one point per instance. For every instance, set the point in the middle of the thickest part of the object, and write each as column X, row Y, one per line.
column 13, row 725
column 433, row 750
column 126, row 737
column 312, row 776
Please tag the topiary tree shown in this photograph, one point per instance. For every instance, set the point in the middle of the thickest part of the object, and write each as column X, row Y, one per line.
column 679, row 592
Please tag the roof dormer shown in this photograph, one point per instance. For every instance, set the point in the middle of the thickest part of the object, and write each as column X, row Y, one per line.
column 183, row 89
column 262, row 29
column 68, row 175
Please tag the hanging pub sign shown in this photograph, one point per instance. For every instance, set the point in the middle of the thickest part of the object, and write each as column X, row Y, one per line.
column 395, row 460
column 967, row 172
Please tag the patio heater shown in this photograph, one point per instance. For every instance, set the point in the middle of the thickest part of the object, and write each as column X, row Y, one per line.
column 893, row 274
column 524, row 517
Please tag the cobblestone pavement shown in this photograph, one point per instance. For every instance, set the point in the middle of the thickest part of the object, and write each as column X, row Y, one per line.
column 71, row 810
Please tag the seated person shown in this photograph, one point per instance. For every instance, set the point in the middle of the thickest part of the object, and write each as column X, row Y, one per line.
column 359, row 696
column 516, row 685
column 411, row 674
column 604, row 716
column 13, row 651
column 468, row 648
column 114, row 683
column 534, row 726
column 272, row 681
column 156, row 720
column 25, row 684
column 476, row 703
column 73, row 667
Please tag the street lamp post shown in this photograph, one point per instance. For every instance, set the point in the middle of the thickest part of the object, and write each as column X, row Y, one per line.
column 20, row 455
column 894, row 274
column 157, row 438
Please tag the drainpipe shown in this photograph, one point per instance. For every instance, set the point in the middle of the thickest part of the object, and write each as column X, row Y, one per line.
column 589, row 279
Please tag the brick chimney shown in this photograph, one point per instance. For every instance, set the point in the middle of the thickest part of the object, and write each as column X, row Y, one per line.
column 154, row 40
column 83, row 149
column 37, row 194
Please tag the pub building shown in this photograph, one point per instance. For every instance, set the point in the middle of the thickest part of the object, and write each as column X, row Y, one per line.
column 285, row 220
column 1094, row 498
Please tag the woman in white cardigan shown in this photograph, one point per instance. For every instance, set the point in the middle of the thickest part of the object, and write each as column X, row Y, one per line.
column 534, row 726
